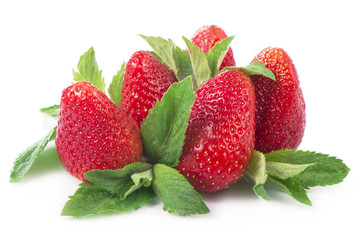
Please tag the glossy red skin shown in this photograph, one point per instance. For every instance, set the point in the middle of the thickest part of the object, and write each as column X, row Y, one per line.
column 146, row 80
column 93, row 133
column 220, row 136
column 280, row 106
column 207, row 36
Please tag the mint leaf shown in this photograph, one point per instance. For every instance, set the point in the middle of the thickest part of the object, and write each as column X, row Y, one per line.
column 24, row 161
column 163, row 130
column 122, row 181
column 256, row 68
column 183, row 67
column 156, row 56
column 256, row 174
column 291, row 187
column 138, row 180
column 176, row 192
column 115, row 86
column 163, row 48
column 88, row 70
column 142, row 178
column 172, row 56
column 90, row 199
column 199, row 64
column 216, row 55
column 325, row 170
column 53, row 111
column 285, row 170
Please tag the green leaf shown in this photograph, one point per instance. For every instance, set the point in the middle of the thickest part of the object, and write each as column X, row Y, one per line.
column 285, row 170
column 172, row 56
column 88, row 70
column 291, row 187
column 257, row 68
column 216, row 55
column 115, row 86
column 163, row 130
column 199, row 64
column 90, row 199
column 163, row 48
column 256, row 174
column 156, row 56
column 142, row 178
column 325, row 170
column 176, row 193
column 139, row 179
column 183, row 67
column 24, row 161
column 122, row 181
column 53, row 111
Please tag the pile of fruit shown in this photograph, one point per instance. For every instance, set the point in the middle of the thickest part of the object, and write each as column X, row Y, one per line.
column 176, row 122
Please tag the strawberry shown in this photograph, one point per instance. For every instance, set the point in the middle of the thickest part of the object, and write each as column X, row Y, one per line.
column 280, row 106
column 93, row 133
column 220, row 136
column 207, row 36
column 146, row 79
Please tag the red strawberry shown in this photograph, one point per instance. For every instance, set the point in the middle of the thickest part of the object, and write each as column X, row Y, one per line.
column 146, row 80
column 280, row 106
column 220, row 136
column 207, row 36
column 93, row 133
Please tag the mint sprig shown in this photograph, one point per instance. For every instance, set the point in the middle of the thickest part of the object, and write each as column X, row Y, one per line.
column 118, row 190
column 294, row 171
column 323, row 170
column 133, row 186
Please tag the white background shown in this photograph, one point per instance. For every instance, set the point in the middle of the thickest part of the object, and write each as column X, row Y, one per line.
column 41, row 41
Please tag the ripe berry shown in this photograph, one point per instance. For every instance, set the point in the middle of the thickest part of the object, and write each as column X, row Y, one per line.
column 146, row 80
column 93, row 133
column 280, row 106
column 220, row 136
